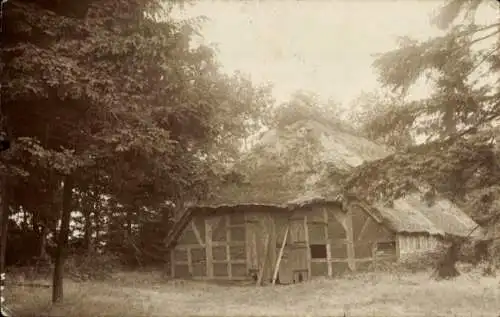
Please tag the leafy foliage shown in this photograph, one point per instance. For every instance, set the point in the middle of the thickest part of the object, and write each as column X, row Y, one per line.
column 464, row 76
column 305, row 105
column 460, row 168
column 382, row 118
column 113, row 94
column 459, row 156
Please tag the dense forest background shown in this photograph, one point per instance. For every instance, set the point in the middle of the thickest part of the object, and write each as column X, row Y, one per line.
column 117, row 123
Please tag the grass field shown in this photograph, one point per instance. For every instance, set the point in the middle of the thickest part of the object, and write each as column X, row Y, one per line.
column 371, row 294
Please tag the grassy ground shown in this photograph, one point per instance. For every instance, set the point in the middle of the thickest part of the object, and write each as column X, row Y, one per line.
column 373, row 294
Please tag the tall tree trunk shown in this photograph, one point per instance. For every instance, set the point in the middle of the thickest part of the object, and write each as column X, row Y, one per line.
column 62, row 241
column 4, row 209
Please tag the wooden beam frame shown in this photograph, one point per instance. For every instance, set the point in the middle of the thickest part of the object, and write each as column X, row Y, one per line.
column 190, row 262
column 272, row 246
column 367, row 209
column 351, row 261
column 248, row 242
column 197, row 233
column 328, row 247
column 172, row 263
column 214, row 244
column 363, row 229
column 263, row 266
column 228, row 248
column 208, row 248
column 306, row 234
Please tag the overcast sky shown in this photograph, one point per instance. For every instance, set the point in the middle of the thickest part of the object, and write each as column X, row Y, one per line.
column 322, row 46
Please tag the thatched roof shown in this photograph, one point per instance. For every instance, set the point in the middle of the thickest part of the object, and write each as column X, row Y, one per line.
column 454, row 168
column 312, row 162
column 413, row 214
column 286, row 165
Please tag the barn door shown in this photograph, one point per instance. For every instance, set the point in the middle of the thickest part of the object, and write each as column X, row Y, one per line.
column 299, row 250
column 251, row 244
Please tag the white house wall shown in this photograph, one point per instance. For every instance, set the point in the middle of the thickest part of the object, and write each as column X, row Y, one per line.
column 415, row 244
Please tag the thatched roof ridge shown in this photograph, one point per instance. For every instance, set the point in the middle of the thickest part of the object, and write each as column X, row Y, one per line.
column 413, row 214
column 288, row 164
column 312, row 163
column 399, row 185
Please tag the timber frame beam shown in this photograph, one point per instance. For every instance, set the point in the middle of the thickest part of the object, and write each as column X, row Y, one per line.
column 197, row 234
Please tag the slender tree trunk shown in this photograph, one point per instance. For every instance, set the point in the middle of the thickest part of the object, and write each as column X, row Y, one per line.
column 97, row 219
column 87, row 230
column 62, row 241
column 25, row 224
column 4, row 209
column 97, row 230
column 87, row 237
column 129, row 222
column 43, row 243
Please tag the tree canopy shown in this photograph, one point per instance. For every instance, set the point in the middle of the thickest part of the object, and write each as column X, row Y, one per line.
column 464, row 75
column 111, row 99
column 455, row 123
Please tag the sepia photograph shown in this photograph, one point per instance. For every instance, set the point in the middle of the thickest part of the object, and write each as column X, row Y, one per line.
column 250, row 158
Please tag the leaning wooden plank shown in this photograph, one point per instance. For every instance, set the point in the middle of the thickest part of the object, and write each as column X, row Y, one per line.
column 178, row 228
column 363, row 229
column 264, row 261
column 282, row 249
column 197, row 234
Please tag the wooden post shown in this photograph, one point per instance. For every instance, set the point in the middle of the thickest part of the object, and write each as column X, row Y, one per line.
column 208, row 248
column 351, row 262
column 306, row 235
column 197, row 233
column 248, row 243
column 397, row 237
column 328, row 246
column 228, row 248
column 363, row 229
column 190, row 261
column 280, row 255
column 272, row 247
column 172, row 263
column 255, row 252
column 264, row 258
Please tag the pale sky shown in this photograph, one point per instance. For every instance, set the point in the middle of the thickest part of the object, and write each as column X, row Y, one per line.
column 322, row 46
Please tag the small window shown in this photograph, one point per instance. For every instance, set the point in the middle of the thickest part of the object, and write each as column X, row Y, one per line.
column 318, row 251
column 386, row 247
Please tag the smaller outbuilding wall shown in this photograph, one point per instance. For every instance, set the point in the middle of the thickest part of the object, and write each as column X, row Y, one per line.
column 411, row 245
column 373, row 241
